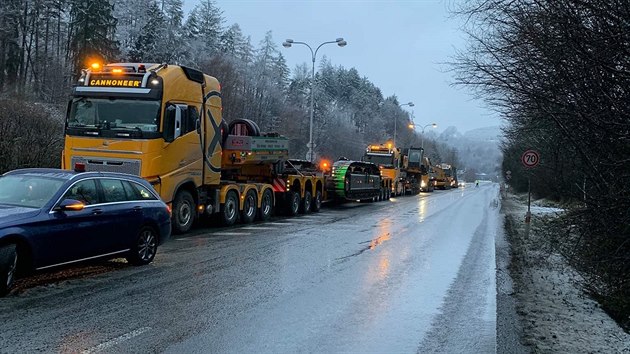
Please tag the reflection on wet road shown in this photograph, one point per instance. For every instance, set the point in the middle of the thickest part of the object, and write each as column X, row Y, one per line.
column 385, row 277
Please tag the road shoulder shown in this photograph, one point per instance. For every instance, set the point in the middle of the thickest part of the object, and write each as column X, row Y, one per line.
column 553, row 310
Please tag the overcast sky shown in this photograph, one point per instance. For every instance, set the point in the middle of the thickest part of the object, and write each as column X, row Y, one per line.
column 401, row 46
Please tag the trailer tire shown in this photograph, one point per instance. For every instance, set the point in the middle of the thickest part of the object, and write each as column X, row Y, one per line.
column 317, row 201
column 307, row 202
column 183, row 212
column 229, row 209
column 250, row 203
column 8, row 267
column 293, row 203
column 266, row 205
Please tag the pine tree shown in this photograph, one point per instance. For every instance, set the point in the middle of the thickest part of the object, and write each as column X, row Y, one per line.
column 149, row 46
column 92, row 31
column 209, row 25
column 131, row 18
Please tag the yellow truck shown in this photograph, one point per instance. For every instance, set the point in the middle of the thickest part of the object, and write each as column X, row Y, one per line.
column 440, row 181
column 416, row 174
column 164, row 123
column 389, row 160
column 446, row 177
column 426, row 183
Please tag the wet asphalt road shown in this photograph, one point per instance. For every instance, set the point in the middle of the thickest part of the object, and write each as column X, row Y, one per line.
column 414, row 274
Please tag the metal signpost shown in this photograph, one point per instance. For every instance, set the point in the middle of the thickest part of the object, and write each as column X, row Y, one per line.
column 529, row 159
column 508, row 176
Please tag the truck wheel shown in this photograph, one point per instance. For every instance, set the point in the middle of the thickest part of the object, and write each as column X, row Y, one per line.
column 293, row 205
column 183, row 212
column 317, row 201
column 249, row 207
column 8, row 267
column 266, row 205
column 144, row 248
column 229, row 209
column 305, row 206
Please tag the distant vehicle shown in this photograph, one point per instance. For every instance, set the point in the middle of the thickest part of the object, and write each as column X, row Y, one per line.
column 51, row 217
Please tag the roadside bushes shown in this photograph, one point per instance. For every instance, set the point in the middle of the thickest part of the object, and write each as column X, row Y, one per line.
column 31, row 135
column 559, row 73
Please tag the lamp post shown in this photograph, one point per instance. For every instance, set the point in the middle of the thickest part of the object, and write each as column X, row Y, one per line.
column 410, row 104
column 422, row 137
column 287, row 44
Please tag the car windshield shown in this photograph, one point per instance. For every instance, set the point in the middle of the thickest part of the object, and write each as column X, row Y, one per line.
column 107, row 113
column 382, row 160
column 27, row 190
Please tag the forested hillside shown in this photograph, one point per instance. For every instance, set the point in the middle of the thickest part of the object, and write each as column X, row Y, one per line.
column 45, row 43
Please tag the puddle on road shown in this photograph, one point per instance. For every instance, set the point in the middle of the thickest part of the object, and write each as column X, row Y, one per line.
column 372, row 244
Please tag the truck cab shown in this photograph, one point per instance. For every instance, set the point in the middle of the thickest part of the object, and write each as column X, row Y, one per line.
column 389, row 161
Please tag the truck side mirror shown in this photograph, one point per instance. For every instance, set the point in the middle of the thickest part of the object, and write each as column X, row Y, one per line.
column 172, row 123
column 178, row 122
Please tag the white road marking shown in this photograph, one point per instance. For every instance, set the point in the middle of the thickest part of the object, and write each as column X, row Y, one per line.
column 279, row 223
column 117, row 340
column 258, row 228
column 231, row 233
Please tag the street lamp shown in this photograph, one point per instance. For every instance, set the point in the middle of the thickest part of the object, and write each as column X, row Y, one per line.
column 422, row 137
column 287, row 44
column 410, row 104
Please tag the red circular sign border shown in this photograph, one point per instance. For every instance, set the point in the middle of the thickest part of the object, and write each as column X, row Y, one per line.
column 526, row 153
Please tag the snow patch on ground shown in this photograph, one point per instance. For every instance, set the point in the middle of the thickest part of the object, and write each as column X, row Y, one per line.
column 545, row 210
column 556, row 315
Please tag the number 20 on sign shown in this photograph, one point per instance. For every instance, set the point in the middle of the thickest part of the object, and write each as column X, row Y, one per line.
column 530, row 158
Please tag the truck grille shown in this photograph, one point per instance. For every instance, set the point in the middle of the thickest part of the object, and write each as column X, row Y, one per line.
column 109, row 165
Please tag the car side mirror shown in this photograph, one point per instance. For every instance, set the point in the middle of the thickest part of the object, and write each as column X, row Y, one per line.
column 70, row 205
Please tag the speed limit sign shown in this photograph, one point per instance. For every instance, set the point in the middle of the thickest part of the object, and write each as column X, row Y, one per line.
column 530, row 158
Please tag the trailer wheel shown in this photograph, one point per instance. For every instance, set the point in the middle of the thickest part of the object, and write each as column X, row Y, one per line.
column 305, row 206
column 8, row 267
column 293, row 205
column 266, row 205
column 229, row 209
column 183, row 212
column 317, row 201
column 249, row 207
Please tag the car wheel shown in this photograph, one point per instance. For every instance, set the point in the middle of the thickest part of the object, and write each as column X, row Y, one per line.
column 8, row 267
column 183, row 212
column 249, row 207
column 229, row 209
column 305, row 207
column 145, row 247
column 266, row 205
column 293, row 206
column 317, row 201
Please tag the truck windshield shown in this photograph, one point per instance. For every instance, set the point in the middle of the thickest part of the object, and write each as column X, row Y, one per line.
column 415, row 155
column 105, row 113
column 381, row 160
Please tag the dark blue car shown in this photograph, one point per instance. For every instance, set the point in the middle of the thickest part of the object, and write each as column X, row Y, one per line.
column 51, row 217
